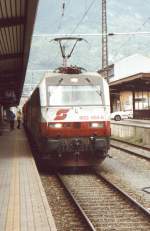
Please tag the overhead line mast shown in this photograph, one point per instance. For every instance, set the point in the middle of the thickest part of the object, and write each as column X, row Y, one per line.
column 104, row 40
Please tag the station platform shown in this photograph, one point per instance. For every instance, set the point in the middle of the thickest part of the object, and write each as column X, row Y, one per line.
column 136, row 131
column 23, row 203
column 133, row 122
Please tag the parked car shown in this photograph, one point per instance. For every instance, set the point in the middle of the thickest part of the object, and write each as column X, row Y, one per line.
column 120, row 115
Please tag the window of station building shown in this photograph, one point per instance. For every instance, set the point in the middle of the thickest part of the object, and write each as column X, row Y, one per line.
column 142, row 100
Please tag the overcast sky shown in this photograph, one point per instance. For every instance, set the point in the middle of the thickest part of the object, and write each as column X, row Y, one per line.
column 84, row 16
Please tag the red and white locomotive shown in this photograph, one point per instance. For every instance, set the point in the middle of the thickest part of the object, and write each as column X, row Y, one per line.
column 68, row 117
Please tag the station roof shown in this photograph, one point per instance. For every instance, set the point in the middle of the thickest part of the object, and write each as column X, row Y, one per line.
column 138, row 82
column 16, row 27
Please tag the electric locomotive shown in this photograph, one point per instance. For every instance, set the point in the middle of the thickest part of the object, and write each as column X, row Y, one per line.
column 68, row 117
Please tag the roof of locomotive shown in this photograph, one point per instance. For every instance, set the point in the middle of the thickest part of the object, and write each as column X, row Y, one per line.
column 55, row 78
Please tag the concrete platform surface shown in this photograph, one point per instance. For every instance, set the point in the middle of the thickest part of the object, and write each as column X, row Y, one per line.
column 23, row 203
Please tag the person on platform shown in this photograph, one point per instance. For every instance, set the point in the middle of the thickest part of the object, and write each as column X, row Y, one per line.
column 11, row 119
column 18, row 119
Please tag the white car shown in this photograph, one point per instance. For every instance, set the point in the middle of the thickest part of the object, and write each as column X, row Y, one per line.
column 119, row 115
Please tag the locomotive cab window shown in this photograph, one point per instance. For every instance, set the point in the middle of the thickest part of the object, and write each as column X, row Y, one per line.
column 74, row 95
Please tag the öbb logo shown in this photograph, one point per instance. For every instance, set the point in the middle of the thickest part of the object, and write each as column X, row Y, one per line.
column 61, row 114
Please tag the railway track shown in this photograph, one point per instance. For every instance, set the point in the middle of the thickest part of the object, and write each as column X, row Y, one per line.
column 64, row 210
column 103, row 205
column 137, row 150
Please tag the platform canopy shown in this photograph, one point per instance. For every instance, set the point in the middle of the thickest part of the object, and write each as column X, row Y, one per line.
column 138, row 82
column 16, row 27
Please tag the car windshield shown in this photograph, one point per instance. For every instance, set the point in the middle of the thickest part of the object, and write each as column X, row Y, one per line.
column 74, row 95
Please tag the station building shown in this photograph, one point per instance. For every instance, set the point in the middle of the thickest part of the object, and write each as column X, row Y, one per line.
column 129, row 81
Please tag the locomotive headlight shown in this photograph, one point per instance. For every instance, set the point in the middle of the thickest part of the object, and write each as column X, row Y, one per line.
column 96, row 124
column 58, row 125
column 55, row 125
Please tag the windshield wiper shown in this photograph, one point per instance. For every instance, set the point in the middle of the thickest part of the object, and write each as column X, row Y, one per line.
column 91, row 84
column 58, row 84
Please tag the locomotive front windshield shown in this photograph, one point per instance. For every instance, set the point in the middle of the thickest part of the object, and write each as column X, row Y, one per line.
column 74, row 95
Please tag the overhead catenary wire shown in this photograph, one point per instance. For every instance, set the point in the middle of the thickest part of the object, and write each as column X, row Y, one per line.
column 142, row 33
column 86, row 12
column 63, row 13
column 96, row 34
column 87, row 9
column 137, row 32
column 77, row 25
column 64, row 6
column 82, row 18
